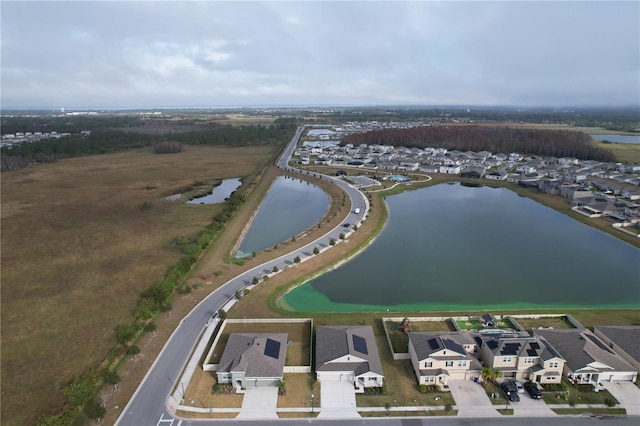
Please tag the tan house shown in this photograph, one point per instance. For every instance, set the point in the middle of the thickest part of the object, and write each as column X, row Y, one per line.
column 522, row 358
column 440, row 357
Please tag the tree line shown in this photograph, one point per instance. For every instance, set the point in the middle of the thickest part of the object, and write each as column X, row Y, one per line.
column 103, row 141
column 544, row 143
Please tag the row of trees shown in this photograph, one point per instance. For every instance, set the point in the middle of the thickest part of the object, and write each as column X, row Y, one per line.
column 545, row 143
column 106, row 141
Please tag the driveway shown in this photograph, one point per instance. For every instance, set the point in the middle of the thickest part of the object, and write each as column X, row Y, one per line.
column 471, row 399
column 259, row 403
column 627, row 394
column 337, row 400
column 529, row 407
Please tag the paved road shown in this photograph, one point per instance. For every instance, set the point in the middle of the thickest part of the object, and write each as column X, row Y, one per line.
column 150, row 404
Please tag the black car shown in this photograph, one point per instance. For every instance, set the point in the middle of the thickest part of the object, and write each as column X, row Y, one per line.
column 510, row 392
column 532, row 390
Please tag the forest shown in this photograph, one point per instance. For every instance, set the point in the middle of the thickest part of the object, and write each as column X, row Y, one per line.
column 544, row 143
column 104, row 140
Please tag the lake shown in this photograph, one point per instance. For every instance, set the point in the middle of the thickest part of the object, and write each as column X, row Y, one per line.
column 618, row 138
column 452, row 247
column 291, row 207
column 219, row 193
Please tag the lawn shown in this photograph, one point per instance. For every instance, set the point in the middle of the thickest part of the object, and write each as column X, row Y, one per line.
column 548, row 322
column 578, row 394
column 474, row 324
column 400, row 340
column 78, row 248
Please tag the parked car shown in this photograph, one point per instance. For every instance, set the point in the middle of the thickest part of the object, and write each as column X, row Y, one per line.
column 532, row 390
column 510, row 391
column 518, row 386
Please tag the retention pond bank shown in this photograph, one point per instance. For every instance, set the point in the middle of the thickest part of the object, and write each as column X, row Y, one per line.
column 453, row 247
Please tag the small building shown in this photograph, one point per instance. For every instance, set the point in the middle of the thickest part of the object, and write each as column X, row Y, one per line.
column 253, row 360
column 348, row 354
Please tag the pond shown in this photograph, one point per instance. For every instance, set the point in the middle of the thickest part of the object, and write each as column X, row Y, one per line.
column 220, row 193
column 291, row 207
column 451, row 247
column 618, row 138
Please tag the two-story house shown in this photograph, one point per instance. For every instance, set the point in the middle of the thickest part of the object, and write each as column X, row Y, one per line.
column 522, row 358
column 440, row 357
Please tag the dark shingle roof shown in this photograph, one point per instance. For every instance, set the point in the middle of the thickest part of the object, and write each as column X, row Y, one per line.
column 333, row 342
column 255, row 354
column 626, row 337
column 580, row 347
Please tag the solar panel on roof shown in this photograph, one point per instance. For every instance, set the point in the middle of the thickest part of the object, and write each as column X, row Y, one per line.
column 433, row 344
column 534, row 345
column 597, row 341
column 510, row 349
column 360, row 345
column 272, row 348
column 492, row 344
column 532, row 352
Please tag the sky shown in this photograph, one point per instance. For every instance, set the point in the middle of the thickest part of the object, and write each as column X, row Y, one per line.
column 204, row 54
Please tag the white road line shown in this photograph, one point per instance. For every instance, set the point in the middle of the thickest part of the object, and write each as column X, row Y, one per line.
column 163, row 420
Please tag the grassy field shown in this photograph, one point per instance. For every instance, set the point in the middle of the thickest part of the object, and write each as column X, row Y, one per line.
column 624, row 152
column 78, row 248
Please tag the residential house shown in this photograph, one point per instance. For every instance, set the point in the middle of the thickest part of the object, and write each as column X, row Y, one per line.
column 522, row 358
column 253, row 360
column 348, row 354
column 624, row 340
column 588, row 359
column 440, row 357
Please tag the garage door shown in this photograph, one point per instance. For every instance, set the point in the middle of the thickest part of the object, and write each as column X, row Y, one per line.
column 335, row 377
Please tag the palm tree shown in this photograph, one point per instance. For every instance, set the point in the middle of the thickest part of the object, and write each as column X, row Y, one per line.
column 489, row 373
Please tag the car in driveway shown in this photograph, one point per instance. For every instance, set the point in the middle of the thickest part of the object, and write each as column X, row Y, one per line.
column 518, row 386
column 510, row 391
column 532, row 390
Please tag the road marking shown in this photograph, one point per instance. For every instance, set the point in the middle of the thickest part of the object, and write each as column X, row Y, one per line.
column 163, row 420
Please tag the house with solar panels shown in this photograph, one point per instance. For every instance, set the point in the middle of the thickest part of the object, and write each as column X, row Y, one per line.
column 253, row 360
column 440, row 357
column 348, row 354
column 522, row 357
column 589, row 359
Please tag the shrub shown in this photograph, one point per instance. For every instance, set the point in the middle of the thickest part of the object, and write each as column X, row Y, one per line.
column 609, row 402
column 94, row 410
column 133, row 350
column 81, row 390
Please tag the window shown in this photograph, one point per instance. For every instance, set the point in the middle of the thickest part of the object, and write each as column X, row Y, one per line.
column 448, row 364
column 462, row 363
column 506, row 359
column 529, row 360
column 553, row 365
column 371, row 379
column 428, row 364
column 429, row 379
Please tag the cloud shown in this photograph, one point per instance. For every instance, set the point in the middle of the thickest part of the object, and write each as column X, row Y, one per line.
column 211, row 53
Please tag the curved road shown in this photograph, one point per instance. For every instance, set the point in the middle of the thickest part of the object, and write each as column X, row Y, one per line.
column 151, row 403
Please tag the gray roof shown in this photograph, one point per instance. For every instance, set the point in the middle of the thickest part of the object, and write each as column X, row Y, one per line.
column 257, row 354
column 626, row 337
column 333, row 342
column 580, row 347
column 426, row 344
column 520, row 346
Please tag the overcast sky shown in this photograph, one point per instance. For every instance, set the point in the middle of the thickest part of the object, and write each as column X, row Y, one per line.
column 156, row 54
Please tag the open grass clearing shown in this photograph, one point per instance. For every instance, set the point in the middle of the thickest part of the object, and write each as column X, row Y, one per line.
column 200, row 392
column 77, row 251
column 624, row 152
column 298, row 390
column 400, row 339
column 548, row 322
column 579, row 394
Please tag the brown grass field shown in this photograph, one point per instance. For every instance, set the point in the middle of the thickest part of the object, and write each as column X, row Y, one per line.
column 77, row 250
